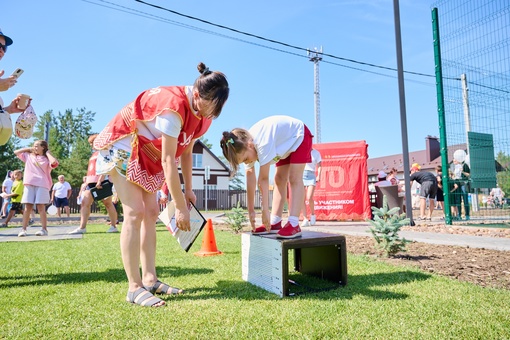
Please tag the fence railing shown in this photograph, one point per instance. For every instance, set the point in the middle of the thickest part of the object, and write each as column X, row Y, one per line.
column 216, row 200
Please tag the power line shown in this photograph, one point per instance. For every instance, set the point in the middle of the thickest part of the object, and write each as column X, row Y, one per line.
column 133, row 11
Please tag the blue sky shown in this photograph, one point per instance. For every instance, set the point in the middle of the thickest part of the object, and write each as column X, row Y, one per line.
column 98, row 55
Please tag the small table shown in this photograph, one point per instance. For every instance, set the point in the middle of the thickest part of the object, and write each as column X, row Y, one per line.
column 265, row 259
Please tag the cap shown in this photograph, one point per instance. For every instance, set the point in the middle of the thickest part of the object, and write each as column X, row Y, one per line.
column 415, row 168
column 416, row 165
column 25, row 123
column 8, row 41
column 381, row 174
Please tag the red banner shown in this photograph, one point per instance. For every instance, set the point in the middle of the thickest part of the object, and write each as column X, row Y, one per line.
column 342, row 191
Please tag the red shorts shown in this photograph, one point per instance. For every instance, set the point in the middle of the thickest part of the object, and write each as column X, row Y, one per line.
column 303, row 153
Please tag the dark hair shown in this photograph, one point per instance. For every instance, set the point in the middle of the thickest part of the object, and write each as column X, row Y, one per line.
column 233, row 143
column 212, row 86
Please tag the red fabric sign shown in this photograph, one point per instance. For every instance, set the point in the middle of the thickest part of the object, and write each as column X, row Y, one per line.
column 342, row 191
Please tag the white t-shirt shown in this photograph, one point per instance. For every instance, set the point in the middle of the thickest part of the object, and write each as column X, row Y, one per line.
column 169, row 123
column 61, row 189
column 276, row 137
column 8, row 185
column 316, row 158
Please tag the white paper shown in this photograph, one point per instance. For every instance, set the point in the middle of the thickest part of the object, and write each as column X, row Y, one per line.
column 184, row 238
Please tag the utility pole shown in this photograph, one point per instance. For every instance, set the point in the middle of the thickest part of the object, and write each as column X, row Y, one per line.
column 316, row 56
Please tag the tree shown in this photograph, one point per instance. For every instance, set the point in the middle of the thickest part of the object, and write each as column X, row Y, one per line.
column 68, row 134
column 75, row 167
column 206, row 142
column 8, row 161
column 504, row 176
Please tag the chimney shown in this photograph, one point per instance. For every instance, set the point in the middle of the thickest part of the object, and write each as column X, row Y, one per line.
column 433, row 149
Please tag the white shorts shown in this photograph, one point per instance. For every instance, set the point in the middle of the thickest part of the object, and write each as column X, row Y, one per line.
column 35, row 195
column 309, row 178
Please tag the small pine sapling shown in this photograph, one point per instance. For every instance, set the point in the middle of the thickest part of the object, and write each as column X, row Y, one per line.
column 236, row 218
column 386, row 226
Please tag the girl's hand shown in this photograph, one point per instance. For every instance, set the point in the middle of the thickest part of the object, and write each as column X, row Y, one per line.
column 189, row 196
column 182, row 219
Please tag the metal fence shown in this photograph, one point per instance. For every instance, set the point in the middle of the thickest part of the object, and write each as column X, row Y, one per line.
column 216, row 200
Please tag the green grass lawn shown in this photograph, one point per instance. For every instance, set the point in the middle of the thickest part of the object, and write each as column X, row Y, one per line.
column 75, row 289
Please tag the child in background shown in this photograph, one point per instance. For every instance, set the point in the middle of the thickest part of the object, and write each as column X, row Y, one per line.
column 6, row 188
column 37, row 180
column 285, row 141
column 15, row 196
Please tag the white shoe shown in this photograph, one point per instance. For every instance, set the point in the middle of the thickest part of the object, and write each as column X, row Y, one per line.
column 22, row 233
column 77, row 231
column 113, row 229
column 305, row 223
column 42, row 232
column 312, row 220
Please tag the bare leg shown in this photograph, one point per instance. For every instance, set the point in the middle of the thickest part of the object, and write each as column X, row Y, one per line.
column 431, row 207
column 42, row 215
column 423, row 204
column 112, row 212
column 86, row 203
column 26, row 215
column 148, row 240
column 310, row 190
column 295, row 177
column 280, row 190
column 134, row 202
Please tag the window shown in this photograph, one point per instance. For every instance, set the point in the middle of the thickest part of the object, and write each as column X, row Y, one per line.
column 197, row 160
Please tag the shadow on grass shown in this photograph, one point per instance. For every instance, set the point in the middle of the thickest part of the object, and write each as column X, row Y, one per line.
column 374, row 286
column 110, row 275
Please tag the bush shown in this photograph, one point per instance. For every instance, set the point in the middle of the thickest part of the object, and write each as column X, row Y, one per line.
column 386, row 225
column 236, row 218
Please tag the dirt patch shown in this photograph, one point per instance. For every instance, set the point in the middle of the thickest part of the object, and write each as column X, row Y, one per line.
column 484, row 267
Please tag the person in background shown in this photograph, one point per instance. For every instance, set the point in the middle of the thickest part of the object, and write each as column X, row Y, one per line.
column 497, row 196
column 392, row 177
column 15, row 197
column 93, row 181
column 428, row 189
column 311, row 176
column 285, row 141
column 140, row 148
column 60, row 195
column 381, row 180
column 5, row 84
column 6, row 188
column 462, row 172
column 440, row 191
column 454, row 192
column 37, row 181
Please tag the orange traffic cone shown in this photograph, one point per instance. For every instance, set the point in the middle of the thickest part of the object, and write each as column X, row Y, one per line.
column 209, row 242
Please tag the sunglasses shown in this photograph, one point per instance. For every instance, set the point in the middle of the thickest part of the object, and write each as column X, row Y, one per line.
column 3, row 47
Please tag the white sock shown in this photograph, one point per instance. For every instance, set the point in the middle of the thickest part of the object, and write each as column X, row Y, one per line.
column 275, row 219
column 294, row 221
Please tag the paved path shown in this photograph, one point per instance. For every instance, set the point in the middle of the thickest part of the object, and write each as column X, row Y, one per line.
column 363, row 229
column 58, row 232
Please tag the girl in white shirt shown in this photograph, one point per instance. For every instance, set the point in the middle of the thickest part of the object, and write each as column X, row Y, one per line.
column 280, row 140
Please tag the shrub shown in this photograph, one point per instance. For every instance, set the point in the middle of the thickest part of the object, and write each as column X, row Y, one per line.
column 236, row 218
column 386, row 226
